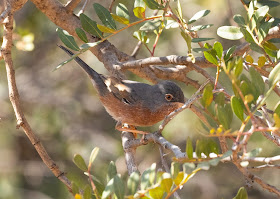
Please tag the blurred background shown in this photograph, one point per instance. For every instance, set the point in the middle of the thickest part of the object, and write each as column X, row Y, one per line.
column 65, row 113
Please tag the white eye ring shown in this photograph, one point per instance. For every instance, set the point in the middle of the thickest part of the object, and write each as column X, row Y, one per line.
column 168, row 97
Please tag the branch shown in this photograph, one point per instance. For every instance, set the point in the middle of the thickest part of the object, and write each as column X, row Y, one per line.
column 15, row 101
column 71, row 5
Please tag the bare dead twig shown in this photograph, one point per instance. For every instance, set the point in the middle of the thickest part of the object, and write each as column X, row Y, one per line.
column 266, row 166
column 15, row 101
column 71, row 5
column 136, row 49
column 111, row 5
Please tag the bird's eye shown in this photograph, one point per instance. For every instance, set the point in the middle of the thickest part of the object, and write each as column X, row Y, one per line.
column 168, row 97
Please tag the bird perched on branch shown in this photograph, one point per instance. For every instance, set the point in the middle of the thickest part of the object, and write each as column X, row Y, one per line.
column 133, row 103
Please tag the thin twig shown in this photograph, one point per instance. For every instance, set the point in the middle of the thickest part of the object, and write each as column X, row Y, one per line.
column 83, row 8
column 111, row 5
column 15, row 101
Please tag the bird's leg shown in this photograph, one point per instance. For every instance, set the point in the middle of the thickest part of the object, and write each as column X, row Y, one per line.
column 125, row 127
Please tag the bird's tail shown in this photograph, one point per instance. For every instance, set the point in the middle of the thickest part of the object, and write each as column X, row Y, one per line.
column 95, row 77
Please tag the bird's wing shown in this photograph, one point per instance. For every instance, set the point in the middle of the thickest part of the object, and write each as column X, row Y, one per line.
column 120, row 90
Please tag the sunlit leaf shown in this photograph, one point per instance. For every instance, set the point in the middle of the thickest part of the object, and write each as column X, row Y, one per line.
column 230, row 32
column 156, row 193
column 218, row 48
column 166, row 184
column 211, row 57
column 122, row 11
column 207, row 96
column 151, row 25
column 139, row 9
column 75, row 188
column 242, row 194
column 105, row 29
column 274, row 75
column 200, row 27
column 174, row 170
column 198, row 15
column 119, row 188
column 109, row 189
column 261, row 61
column 179, row 178
column 133, row 182
column 261, row 12
column 229, row 53
column 93, row 155
column 257, row 80
column 120, row 19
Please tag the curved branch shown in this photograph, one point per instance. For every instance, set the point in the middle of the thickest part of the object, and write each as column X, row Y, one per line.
column 15, row 101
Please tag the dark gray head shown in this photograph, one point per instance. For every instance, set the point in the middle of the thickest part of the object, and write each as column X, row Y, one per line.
column 171, row 91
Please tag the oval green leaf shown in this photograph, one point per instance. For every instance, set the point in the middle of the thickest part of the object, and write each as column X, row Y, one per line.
column 218, row 48
column 133, row 182
column 274, row 75
column 211, row 57
column 105, row 16
column 81, row 34
column 230, row 32
column 80, row 162
column 198, row 15
column 119, row 188
column 67, row 39
column 189, row 148
column 112, row 171
column 237, row 108
column 90, row 26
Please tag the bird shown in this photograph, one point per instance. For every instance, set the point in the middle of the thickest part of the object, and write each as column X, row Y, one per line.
column 133, row 104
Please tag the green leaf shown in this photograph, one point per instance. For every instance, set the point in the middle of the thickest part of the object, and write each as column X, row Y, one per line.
column 156, row 193
column 227, row 154
column 93, row 155
column 90, row 26
column 105, row 29
column 109, row 189
column 200, row 27
column 139, row 9
column 220, row 99
column 75, row 188
column 196, row 40
column 277, row 109
column 120, row 19
column 198, row 149
column 238, row 67
column 263, row 29
column 254, row 152
column 188, row 40
column 145, row 179
column 256, row 48
column 237, row 108
column 274, row 75
column 230, row 32
column 171, row 24
column 229, row 53
column 257, row 81
column 152, row 4
column 223, row 117
column 87, row 192
column 112, row 171
column 86, row 46
column 213, row 146
column 119, row 187
column 261, row 61
column 269, row 3
column 261, row 12
column 174, row 170
column 242, row 194
column 133, row 182
column 99, row 186
column 211, row 57
column 105, row 16
column 67, row 39
column 152, row 173
column 248, row 35
column 189, row 148
column 179, row 178
column 122, row 11
column 151, row 25
column 166, row 183
column 239, row 20
column 218, row 48
column 198, row 15
column 250, row 10
column 203, row 165
column 207, row 96
column 80, row 162
column 188, row 168
column 141, row 36
column 81, row 34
